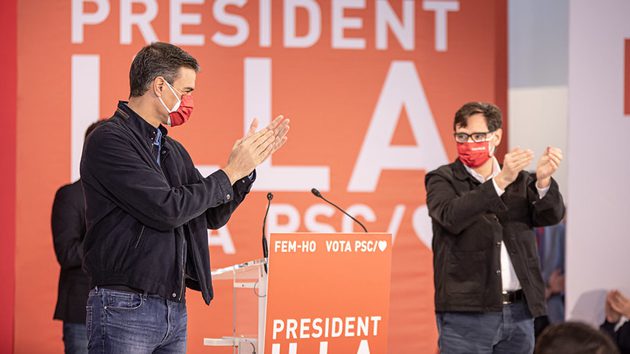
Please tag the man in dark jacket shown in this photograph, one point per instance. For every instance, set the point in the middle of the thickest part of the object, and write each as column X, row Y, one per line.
column 488, row 285
column 68, row 230
column 149, row 208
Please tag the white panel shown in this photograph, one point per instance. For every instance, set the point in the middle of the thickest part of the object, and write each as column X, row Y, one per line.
column 85, row 103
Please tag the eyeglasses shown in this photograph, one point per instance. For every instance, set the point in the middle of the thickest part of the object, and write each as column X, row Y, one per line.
column 476, row 137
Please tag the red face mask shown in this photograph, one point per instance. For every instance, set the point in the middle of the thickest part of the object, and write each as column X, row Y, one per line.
column 183, row 112
column 474, row 154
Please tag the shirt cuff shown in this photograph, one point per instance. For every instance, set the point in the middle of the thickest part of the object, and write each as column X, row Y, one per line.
column 542, row 192
column 498, row 189
column 244, row 185
column 227, row 193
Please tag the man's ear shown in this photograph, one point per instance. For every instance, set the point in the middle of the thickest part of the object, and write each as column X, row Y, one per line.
column 497, row 136
column 157, row 86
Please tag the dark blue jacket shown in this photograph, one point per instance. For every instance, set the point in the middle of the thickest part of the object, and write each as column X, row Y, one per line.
column 147, row 224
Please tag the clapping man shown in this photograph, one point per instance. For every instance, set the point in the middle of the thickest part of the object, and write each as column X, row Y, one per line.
column 488, row 286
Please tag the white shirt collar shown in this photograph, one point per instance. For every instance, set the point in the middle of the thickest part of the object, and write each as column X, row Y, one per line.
column 496, row 168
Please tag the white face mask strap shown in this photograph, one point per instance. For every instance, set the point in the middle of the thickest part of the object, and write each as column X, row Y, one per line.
column 491, row 147
column 176, row 97
column 163, row 104
column 172, row 89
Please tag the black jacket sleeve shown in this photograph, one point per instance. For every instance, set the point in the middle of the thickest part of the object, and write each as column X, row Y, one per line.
column 621, row 337
column 67, row 228
column 218, row 216
column 550, row 209
column 141, row 190
column 456, row 212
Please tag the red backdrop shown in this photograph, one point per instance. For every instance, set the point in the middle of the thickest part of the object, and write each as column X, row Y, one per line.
column 8, row 99
column 371, row 112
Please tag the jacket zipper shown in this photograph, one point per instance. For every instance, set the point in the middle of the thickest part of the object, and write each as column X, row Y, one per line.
column 139, row 237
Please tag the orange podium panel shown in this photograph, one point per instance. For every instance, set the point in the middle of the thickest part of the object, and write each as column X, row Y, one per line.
column 328, row 293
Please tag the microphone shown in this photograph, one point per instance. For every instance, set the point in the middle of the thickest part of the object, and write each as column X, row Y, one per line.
column 319, row 195
column 265, row 247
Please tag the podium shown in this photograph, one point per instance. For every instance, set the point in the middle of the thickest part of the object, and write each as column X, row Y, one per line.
column 249, row 283
column 324, row 293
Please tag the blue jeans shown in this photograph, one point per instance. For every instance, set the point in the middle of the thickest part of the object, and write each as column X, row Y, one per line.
column 509, row 332
column 126, row 322
column 75, row 338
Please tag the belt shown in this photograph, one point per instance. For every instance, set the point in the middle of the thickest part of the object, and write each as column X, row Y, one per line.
column 510, row 297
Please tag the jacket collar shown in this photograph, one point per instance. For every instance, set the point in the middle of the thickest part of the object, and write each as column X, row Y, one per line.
column 138, row 124
column 459, row 171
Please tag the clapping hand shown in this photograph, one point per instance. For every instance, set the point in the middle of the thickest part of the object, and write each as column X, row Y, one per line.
column 256, row 147
column 513, row 163
column 547, row 166
column 617, row 305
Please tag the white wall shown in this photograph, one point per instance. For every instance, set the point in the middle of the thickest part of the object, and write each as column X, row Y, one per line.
column 598, row 240
column 537, row 96
column 566, row 87
column 537, row 119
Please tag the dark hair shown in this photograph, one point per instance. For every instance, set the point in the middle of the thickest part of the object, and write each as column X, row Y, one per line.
column 491, row 112
column 576, row 338
column 157, row 59
column 93, row 126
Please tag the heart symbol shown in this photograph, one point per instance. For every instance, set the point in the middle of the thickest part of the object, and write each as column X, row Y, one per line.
column 382, row 245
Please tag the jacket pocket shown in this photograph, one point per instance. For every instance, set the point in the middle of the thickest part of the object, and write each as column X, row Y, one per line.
column 467, row 272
